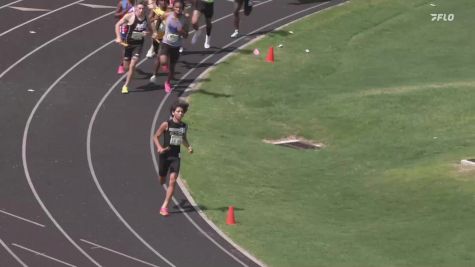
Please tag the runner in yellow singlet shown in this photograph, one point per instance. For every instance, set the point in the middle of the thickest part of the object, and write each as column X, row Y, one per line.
column 157, row 20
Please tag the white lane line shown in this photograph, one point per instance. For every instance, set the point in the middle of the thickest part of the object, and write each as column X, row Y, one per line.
column 98, row 184
column 43, row 255
column 119, row 253
column 45, row 14
column 12, row 3
column 24, row 157
column 12, row 253
column 29, row 9
column 49, row 42
column 21, row 218
column 99, row 6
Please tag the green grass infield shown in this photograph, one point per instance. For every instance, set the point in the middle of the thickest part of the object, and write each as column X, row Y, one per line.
column 390, row 92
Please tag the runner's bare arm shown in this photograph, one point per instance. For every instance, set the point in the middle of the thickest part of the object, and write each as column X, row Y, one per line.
column 122, row 21
column 156, row 137
column 184, row 30
column 187, row 144
column 149, row 29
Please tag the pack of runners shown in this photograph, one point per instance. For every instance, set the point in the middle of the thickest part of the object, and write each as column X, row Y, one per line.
column 166, row 23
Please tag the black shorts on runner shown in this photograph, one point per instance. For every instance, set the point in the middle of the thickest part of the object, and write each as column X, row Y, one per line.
column 204, row 7
column 166, row 164
column 172, row 52
column 133, row 51
column 247, row 6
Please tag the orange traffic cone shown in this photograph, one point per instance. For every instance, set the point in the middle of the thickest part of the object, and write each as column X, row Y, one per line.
column 230, row 219
column 270, row 55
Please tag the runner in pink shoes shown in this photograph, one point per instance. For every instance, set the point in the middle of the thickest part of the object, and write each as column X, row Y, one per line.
column 174, row 134
column 176, row 29
column 123, row 7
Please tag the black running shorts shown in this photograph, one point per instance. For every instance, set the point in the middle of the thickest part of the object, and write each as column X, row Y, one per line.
column 166, row 164
column 247, row 6
column 133, row 50
column 205, row 8
column 171, row 51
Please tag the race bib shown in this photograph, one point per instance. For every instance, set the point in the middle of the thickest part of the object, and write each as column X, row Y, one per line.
column 173, row 37
column 161, row 27
column 176, row 140
column 137, row 35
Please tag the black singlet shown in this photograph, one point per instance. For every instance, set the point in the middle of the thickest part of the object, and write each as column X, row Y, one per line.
column 173, row 137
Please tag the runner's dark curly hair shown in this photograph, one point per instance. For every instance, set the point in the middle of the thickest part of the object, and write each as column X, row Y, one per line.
column 179, row 103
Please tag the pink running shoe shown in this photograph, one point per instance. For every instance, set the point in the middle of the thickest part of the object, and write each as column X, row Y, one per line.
column 120, row 69
column 168, row 87
column 164, row 212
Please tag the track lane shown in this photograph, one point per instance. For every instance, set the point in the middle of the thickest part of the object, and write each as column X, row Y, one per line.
column 20, row 41
column 48, row 13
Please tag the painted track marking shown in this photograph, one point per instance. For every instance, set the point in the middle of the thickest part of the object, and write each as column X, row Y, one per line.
column 45, row 14
column 50, row 41
column 12, row 3
column 42, row 254
column 12, row 253
column 25, row 162
column 118, row 253
column 21, row 218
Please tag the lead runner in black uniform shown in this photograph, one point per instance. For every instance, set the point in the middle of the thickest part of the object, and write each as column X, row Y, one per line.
column 174, row 135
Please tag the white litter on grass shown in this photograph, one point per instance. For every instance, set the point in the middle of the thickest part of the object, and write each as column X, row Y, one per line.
column 435, row 137
column 433, row 4
column 291, row 32
column 280, row 45
column 30, row 90
column 307, row 50
column 467, row 162
column 32, row 32
column 256, row 52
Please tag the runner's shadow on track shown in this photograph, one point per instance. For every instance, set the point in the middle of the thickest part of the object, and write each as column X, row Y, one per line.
column 193, row 65
column 212, row 51
column 180, row 87
column 147, row 88
column 185, row 206
column 222, row 209
column 145, row 75
column 303, row 2
column 271, row 32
